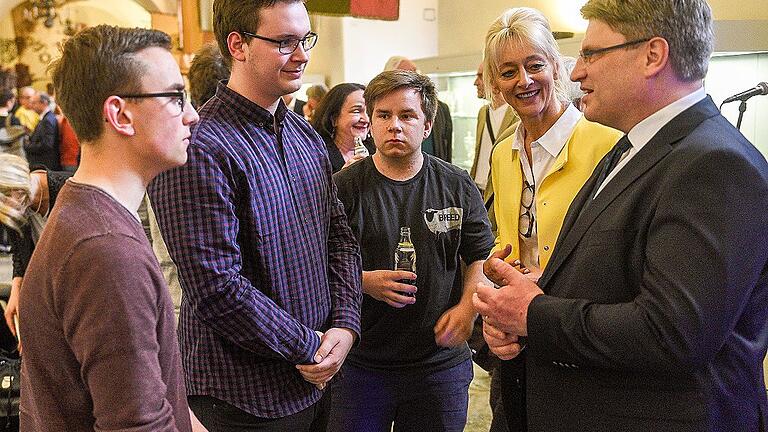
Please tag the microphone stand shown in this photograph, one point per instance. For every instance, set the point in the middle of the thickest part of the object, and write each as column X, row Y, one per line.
column 742, row 108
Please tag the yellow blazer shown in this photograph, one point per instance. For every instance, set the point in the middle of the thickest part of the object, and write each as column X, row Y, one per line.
column 588, row 143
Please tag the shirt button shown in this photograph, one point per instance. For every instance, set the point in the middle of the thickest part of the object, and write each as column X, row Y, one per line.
column 544, row 203
column 546, row 248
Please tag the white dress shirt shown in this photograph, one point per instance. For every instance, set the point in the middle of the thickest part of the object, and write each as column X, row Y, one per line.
column 544, row 152
column 650, row 126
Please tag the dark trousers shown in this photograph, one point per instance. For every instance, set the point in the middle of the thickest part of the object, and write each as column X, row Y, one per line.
column 498, row 418
column 372, row 401
column 219, row 416
column 512, row 376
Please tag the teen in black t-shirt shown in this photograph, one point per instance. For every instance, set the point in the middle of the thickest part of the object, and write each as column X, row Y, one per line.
column 412, row 366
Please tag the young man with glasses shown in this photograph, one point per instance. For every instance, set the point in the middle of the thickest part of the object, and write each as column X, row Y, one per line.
column 269, row 268
column 412, row 366
column 97, row 321
column 651, row 314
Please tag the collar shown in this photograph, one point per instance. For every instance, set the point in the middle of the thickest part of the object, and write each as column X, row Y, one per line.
column 244, row 106
column 651, row 125
column 503, row 107
column 555, row 138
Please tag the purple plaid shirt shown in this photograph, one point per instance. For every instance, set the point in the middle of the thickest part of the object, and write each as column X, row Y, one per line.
column 264, row 252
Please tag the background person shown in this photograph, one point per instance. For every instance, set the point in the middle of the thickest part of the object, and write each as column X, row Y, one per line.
column 315, row 95
column 26, row 199
column 494, row 123
column 43, row 147
column 207, row 69
column 24, row 113
column 339, row 119
column 7, row 101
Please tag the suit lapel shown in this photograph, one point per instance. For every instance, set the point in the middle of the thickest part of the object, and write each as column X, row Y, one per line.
column 578, row 222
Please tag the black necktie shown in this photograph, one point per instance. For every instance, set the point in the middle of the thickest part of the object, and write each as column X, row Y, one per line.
column 611, row 161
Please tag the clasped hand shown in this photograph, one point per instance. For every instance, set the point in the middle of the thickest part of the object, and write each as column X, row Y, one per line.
column 334, row 347
column 504, row 310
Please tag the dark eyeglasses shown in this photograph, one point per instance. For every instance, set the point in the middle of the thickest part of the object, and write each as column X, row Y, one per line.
column 527, row 220
column 288, row 46
column 588, row 55
column 179, row 97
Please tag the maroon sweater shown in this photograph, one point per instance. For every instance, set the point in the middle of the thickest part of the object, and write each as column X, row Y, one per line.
column 97, row 325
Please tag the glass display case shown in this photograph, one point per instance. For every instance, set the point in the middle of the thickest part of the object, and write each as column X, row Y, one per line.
column 458, row 91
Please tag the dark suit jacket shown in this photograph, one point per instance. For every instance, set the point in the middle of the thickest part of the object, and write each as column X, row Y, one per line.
column 43, row 145
column 298, row 107
column 655, row 316
column 442, row 132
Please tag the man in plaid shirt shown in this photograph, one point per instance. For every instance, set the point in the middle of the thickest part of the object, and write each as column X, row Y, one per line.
column 270, row 270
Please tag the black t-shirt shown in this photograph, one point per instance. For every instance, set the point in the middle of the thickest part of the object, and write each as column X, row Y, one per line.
column 448, row 223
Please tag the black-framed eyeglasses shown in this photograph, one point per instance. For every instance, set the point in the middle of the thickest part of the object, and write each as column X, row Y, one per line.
column 588, row 55
column 527, row 220
column 288, row 46
column 179, row 97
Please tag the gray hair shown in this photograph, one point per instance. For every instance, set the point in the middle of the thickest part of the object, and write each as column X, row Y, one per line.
column 393, row 62
column 686, row 25
column 526, row 26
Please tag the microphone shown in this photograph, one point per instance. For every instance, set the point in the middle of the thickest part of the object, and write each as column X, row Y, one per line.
column 759, row 89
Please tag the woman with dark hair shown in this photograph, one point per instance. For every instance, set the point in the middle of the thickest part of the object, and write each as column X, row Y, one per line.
column 339, row 119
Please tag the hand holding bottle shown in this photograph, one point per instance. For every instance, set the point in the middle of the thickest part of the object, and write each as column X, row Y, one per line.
column 387, row 286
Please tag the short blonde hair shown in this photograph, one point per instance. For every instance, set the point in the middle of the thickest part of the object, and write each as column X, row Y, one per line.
column 522, row 25
column 14, row 177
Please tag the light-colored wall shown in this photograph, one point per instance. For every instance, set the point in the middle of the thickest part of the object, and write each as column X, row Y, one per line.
column 355, row 50
column 462, row 24
column 729, row 75
column 6, row 27
column 368, row 44
column 328, row 57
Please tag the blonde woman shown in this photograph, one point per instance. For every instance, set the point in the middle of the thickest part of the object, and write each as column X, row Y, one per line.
column 536, row 172
column 25, row 200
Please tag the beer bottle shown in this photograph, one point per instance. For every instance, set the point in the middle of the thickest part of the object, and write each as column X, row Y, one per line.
column 405, row 257
column 360, row 149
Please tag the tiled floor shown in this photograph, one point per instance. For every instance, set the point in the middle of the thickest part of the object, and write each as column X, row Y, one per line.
column 479, row 415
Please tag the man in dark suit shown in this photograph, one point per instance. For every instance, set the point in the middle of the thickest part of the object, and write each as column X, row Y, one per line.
column 294, row 104
column 651, row 314
column 43, row 146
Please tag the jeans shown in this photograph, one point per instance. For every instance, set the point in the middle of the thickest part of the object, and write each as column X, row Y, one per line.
column 371, row 401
